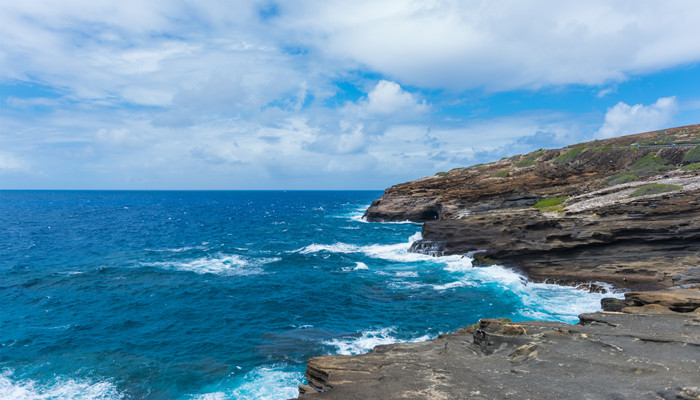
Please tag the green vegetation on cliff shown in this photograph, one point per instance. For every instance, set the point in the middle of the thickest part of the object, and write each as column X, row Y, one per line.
column 570, row 155
column 650, row 164
column 553, row 204
column 691, row 167
column 693, row 155
column 623, row 177
column 655, row 188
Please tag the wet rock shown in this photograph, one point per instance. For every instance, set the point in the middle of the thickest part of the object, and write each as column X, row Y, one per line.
column 612, row 304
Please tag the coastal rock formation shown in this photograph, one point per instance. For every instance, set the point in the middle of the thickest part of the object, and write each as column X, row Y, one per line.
column 644, row 352
column 623, row 210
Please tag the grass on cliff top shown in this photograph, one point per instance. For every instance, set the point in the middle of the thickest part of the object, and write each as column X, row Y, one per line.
column 691, row 167
column 693, row 155
column 552, row 204
column 622, row 177
column 650, row 164
column 525, row 163
column 655, row 188
column 570, row 155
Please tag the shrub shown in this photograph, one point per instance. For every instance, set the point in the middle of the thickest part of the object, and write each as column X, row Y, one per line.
column 693, row 155
column 502, row 174
column 650, row 164
column 691, row 167
column 620, row 178
column 525, row 163
column 655, row 188
column 570, row 155
column 469, row 329
column 441, row 173
column 552, row 204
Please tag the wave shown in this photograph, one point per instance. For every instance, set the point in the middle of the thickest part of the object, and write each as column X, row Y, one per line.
column 221, row 264
column 177, row 249
column 261, row 383
column 360, row 265
column 368, row 340
column 391, row 252
column 59, row 388
column 541, row 301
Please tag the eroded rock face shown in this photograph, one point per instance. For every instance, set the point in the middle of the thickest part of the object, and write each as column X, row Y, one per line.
column 643, row 353
column 601, row 231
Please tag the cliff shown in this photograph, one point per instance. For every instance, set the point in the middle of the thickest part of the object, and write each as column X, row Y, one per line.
column 624, row 211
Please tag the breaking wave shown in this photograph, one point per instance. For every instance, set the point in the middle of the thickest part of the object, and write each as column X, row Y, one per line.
column 60, row 388
column 221, row 264
column 367, row 340
column 261, row 383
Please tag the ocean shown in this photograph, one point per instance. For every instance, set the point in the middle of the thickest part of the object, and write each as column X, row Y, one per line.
column 224, row 294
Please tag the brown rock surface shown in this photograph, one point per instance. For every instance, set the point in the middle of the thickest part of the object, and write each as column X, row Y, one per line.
column 598, row 233
column 647, row 353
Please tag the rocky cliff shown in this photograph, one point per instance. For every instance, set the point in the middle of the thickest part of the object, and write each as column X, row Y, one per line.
column 624, row 211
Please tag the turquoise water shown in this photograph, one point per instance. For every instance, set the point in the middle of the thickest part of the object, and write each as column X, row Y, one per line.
column 223, row 295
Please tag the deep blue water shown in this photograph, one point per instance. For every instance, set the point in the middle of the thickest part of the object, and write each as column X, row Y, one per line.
column 218, row 295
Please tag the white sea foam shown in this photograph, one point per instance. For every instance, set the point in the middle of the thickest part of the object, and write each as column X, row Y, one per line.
column 59, row 388
column 367, row 341
column 539, row 300
column 176, row 249
column 221, row 264
column 261, row 383
column 403, row 285
column 391, row 252
column 360, row 265
column 452, row 285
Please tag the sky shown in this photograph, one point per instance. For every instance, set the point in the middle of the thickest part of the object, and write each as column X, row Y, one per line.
column 332, row 94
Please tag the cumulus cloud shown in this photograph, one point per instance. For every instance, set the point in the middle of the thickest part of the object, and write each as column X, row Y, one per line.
column 623, row 119
column 173, row 94
column 500, row 45
column 388, row 98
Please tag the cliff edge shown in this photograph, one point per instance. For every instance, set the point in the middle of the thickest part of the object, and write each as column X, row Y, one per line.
column 624, row 210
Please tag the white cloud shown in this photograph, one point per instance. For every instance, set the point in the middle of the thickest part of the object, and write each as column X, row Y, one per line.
column 604, row 92
column 388, row 98
column 500, row 45
column 164, row 94
column 117, row 137
column 10, row 162
column 623, row 119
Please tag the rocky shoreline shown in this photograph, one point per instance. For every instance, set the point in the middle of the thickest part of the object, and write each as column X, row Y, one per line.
column 625, row 211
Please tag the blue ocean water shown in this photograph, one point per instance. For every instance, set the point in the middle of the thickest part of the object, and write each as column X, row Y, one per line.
column 223, row 295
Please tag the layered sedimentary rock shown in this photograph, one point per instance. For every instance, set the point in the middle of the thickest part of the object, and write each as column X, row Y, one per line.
column 597, row 213
column 643, row 353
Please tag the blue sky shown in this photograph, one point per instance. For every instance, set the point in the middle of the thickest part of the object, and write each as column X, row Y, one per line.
column 326, row 94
